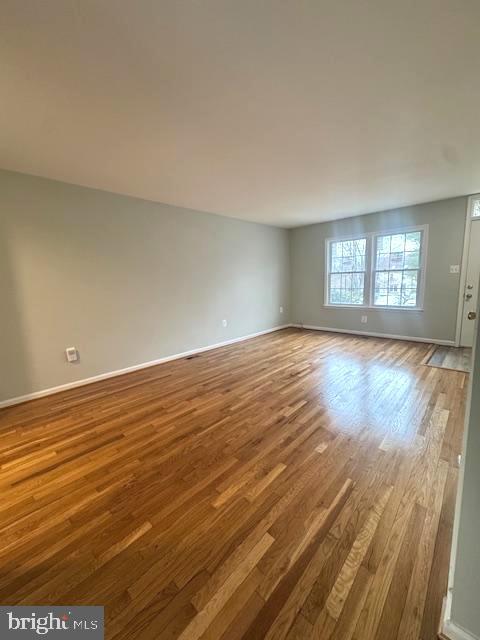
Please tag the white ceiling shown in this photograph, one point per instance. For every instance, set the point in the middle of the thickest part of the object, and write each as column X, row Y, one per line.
column 279, row 111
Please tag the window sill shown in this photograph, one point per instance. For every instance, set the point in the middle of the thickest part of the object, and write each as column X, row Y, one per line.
column 364, row 307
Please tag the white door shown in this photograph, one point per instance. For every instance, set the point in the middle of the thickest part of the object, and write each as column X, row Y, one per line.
column 470, row 295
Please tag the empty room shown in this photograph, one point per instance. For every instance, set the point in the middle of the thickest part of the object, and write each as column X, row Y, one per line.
column 239, row 274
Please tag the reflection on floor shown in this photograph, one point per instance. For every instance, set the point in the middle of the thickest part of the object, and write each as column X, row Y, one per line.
column 297, row 485
column 456, row 358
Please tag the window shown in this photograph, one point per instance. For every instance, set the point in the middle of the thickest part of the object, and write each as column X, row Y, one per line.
column 347, row 271
column 377, row 270
column 476, row 208
column 397, row 269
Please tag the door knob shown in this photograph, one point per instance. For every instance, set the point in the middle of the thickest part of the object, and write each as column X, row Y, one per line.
column 468, row 296
column 471, row 315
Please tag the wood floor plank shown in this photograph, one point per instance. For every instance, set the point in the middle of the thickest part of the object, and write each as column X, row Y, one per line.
column 344, row 582
column 417, row 593
column 395, row 601
column 297, row 485
column 206, row 615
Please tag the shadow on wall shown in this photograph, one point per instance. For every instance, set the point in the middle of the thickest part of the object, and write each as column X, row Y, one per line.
column 15, row 378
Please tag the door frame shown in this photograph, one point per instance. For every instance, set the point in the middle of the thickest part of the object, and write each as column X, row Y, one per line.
column 464, row 267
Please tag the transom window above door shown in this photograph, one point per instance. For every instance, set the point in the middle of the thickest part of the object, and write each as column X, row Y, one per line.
column 476, row 207
column 377, row 270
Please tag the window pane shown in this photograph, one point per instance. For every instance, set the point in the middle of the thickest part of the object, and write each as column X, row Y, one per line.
column 381, row 297
column 347, row 281
column 396, row 288
column 394, row 281
column 351, row 295
column 335, row 295
column 360, row 247
column 412, row 260
column 357, row 296
column 399, row 251
column 359, row 263
column 358, row 280
column 381, row 280
column 410, row 279
column 336, row 249
column 383, row 261
column 393, row 298
column 409, row 297
column 348, row 249
column 383, row 244
column 413, row 240
column 336, row 264
column 345, row 296
column 335, row 281
column 348, row 263
column 397, row 243
column 396, row 260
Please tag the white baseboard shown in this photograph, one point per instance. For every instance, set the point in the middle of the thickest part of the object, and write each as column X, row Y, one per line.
column 111, row 374
column 449, row 343
column 453, row 632
column 184, row 354
column 448, row 629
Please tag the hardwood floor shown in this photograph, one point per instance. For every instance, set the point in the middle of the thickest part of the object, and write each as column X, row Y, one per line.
column 297, row 485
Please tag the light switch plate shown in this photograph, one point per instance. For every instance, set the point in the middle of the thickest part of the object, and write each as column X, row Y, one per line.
column 454, row 268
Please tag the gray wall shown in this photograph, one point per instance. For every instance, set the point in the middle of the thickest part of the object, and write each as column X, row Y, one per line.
column 446, row 220
column 128, row 281
column 465, row 610
column 124, row 280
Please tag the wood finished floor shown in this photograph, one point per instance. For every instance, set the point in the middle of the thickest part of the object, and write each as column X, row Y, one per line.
column 297, row 485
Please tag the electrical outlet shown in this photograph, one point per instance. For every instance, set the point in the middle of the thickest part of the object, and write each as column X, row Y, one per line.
column 72, row 354
column 363, row 319
column 454, row 268
column 281, row 309
column 224, row 322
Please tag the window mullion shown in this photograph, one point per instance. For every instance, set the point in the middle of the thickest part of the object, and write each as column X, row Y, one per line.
column 420, row 273
column 369, row 266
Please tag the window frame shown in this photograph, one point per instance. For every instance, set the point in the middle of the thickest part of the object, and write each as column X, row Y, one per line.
column 371, row 243
column 330, row 241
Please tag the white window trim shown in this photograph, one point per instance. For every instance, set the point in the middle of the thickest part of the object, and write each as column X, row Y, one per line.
column 369, row 269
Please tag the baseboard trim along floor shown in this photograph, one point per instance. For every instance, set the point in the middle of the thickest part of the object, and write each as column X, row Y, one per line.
column 448, row 629
column 451, row 631
column 184, row 354
column 373, row 334
column 119, row 372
